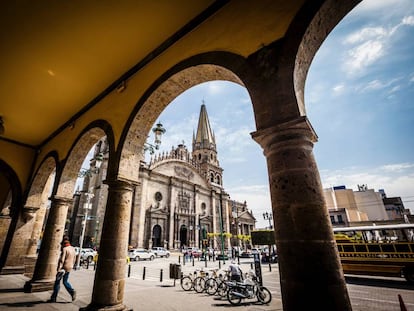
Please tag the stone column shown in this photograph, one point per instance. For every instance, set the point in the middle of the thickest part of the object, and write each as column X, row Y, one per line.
column 108, row 290
column 310, row 270
column 171, row 239
column 46, row 264
column 36, row 232
column 197, row 226
column 21, row 241
column 213, row 204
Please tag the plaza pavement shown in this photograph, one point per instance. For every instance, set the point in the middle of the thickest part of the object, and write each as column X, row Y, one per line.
column 146, row 295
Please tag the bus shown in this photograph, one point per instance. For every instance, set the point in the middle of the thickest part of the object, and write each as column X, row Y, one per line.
column 380, row 250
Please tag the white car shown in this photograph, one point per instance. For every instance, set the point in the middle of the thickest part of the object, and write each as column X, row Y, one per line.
column 161, row 252
column 141, row 254
column 86, row 253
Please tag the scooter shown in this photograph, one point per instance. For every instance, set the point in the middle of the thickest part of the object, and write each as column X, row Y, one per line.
column 248, row 289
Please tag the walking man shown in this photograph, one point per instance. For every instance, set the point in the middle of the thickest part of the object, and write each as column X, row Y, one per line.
column 65, row 265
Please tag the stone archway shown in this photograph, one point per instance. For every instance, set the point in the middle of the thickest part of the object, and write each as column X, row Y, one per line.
column 61, row 200
column 274, row 77
column 136, row 133
column 11, row 200
column 28, row 232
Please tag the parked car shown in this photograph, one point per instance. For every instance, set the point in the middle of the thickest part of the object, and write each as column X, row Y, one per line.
column 193, row 251
column 246, row 254
column 141, row 254
column 86, row 253
column 161, row 252
column 196, row 252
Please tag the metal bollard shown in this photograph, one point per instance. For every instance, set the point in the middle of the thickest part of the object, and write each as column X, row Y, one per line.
column 143, row 273
column 270, row 267
column 205, row 263
column 219, row 264
column 179, row 259
column 129, row 270
column 161, row 275
column 193, row 261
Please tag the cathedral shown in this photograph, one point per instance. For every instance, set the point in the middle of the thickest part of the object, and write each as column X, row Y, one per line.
column 179, row 200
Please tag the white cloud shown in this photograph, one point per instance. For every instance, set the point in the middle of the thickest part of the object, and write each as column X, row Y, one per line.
column 363, row 56
column 257, row 198
column 215, row 88
column 369, row 44
column 395, row 89
column 397, row 167
column 408, row 20
column 379, row 9
column 376, row 84
column 366, row 34
column 338, row 89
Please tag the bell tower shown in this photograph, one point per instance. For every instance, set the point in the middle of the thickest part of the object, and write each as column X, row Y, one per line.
column 204, row 150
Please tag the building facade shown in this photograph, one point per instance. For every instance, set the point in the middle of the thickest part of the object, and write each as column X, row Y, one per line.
column 347, row 206
column 179, row 201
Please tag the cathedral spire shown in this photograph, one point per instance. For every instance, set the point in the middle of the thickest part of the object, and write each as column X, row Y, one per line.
column 204, row 138
column 204, row 149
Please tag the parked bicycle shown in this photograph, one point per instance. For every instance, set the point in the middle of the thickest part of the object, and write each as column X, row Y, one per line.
column 187, row 281
column 208, row 282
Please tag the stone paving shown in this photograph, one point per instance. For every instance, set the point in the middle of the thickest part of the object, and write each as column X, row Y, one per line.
column 145, row 295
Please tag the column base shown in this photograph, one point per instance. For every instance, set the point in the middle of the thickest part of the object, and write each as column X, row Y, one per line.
column 12, row 270
column 119, row 307
column 38, row 286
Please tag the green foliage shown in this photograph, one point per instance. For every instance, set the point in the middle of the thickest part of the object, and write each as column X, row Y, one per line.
column 263, row 237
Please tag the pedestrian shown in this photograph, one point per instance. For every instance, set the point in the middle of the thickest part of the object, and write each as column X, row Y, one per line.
column 66, row 262
column 235, row 271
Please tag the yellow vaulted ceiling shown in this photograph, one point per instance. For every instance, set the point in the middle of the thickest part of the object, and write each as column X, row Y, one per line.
column 58, row 56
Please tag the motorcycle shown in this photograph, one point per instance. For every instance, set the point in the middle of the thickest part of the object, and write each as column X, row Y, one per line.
column 248, row 289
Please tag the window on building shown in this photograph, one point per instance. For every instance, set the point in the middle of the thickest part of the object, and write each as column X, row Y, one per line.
column 332, row 219
column 340, row 220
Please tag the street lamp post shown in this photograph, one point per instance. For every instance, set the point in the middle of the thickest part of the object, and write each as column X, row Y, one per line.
column 269, row 217
column 87, row 206
column 221, row 226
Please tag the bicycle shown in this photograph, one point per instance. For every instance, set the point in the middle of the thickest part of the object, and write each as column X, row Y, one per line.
column 187, row 281
column 222, row 284
column 211, row 284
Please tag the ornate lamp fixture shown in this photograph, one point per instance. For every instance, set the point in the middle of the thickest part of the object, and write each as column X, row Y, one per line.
column 158, row 130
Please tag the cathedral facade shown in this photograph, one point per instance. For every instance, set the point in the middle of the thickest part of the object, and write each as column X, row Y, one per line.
column 179, row 201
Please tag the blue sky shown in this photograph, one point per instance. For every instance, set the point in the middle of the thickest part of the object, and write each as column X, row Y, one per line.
column 359, row 98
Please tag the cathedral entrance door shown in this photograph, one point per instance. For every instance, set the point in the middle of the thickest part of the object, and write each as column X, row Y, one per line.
column 183, row 236
column 156, row 236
